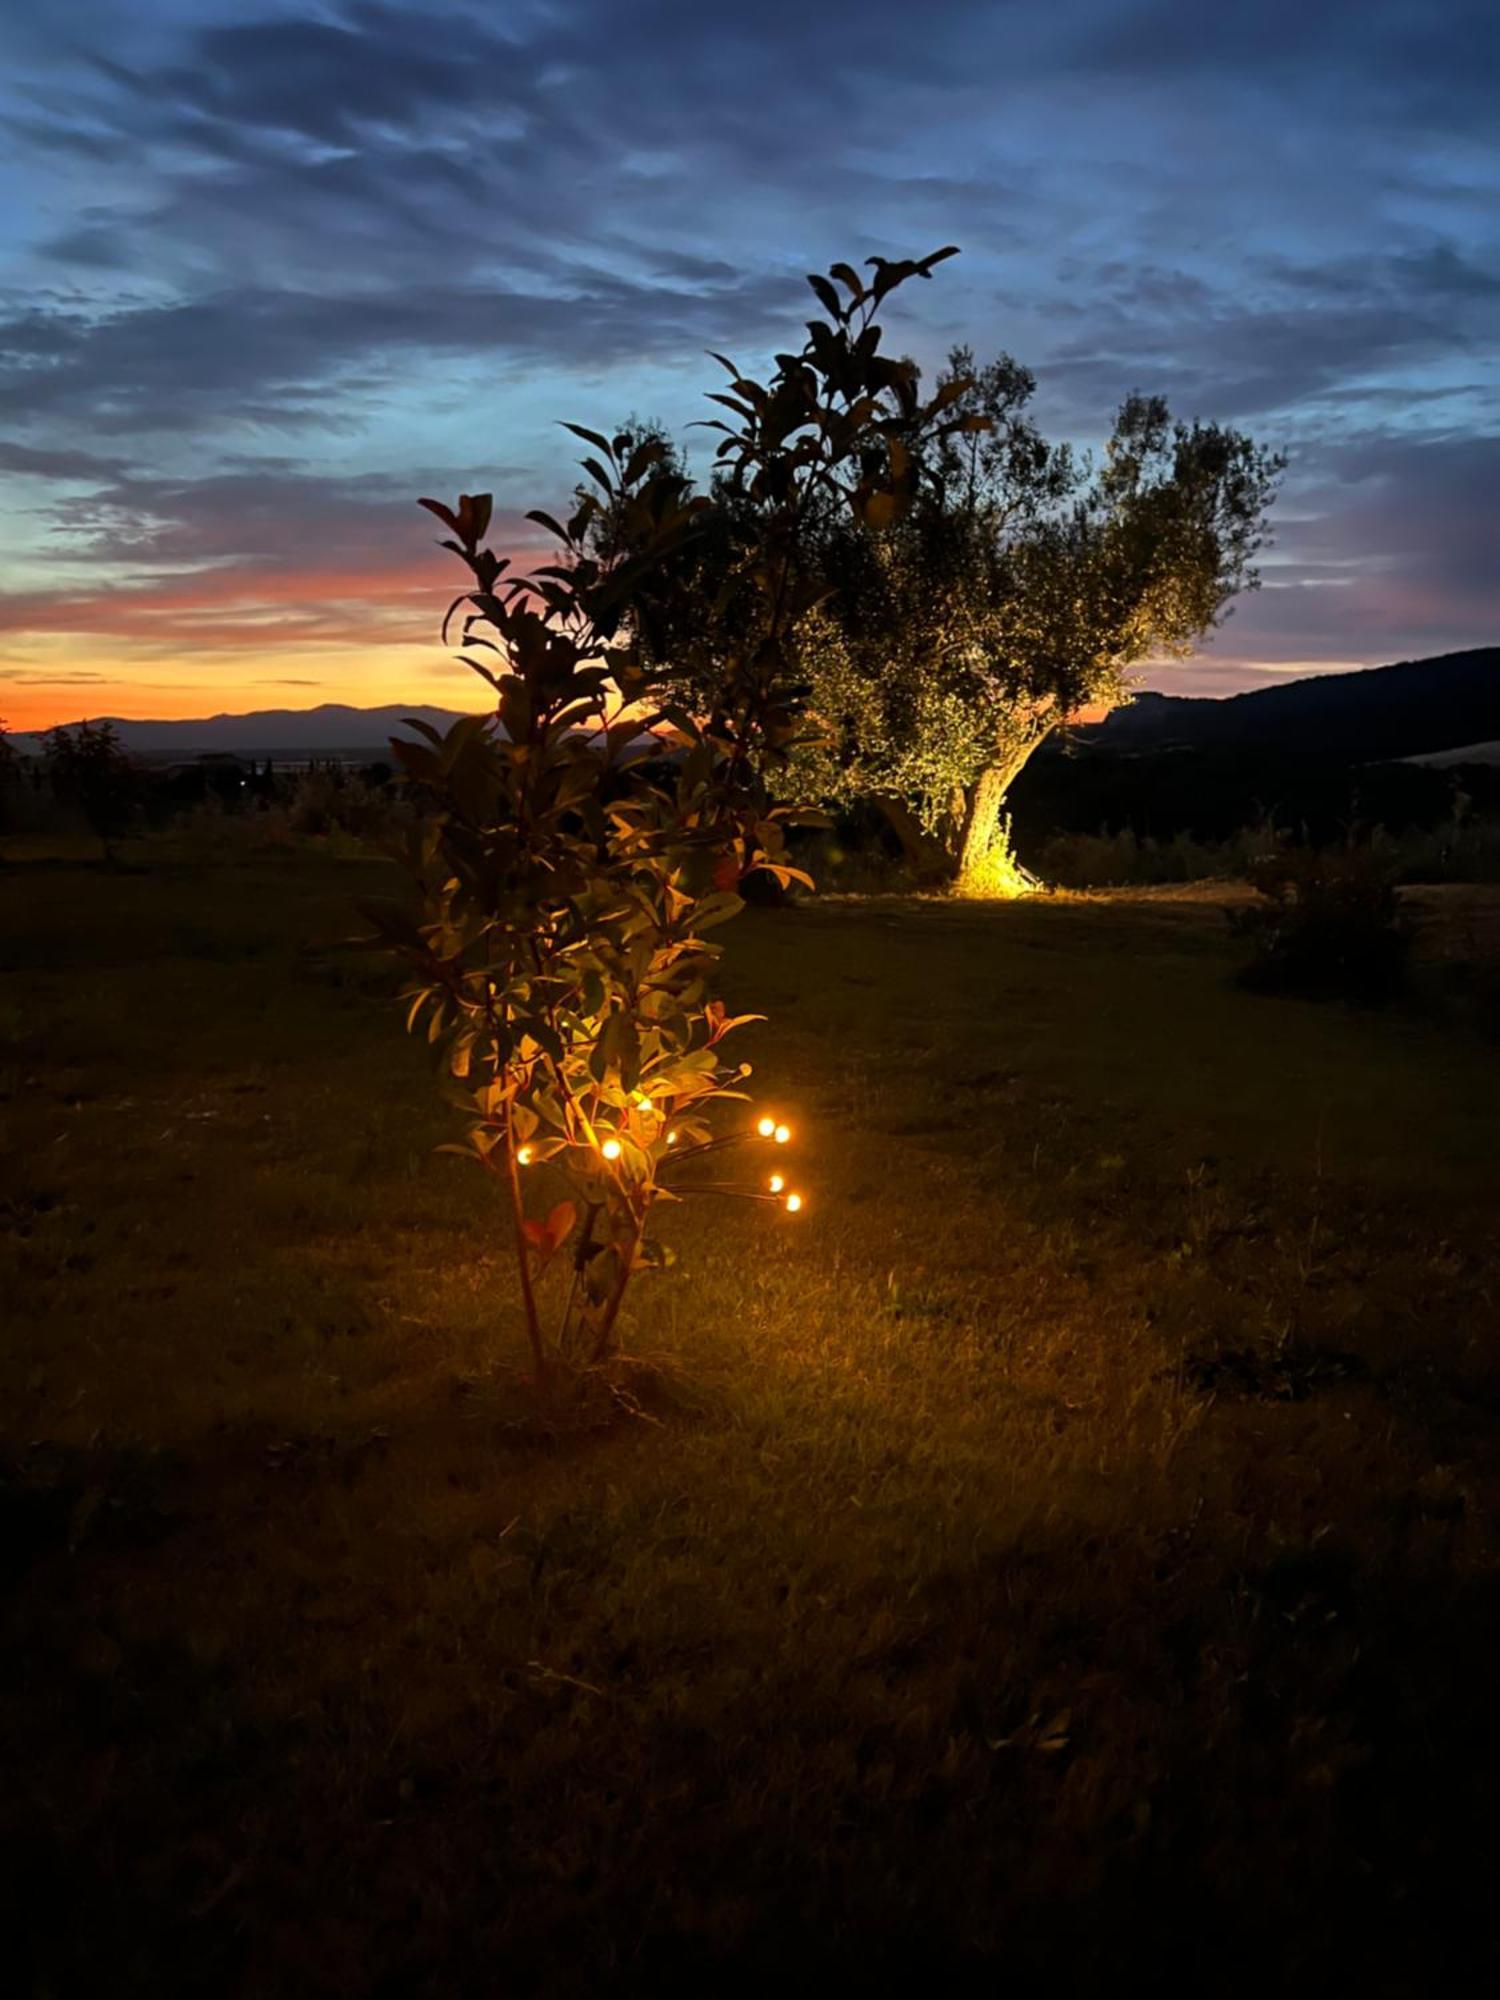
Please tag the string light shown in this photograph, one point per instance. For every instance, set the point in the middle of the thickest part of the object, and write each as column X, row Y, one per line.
column 766, row 1127
column 523, row 1156
column 672, row 1138
column 611, row 1149
column 781, row 1133
column 776, row 1183
column 793, row 1203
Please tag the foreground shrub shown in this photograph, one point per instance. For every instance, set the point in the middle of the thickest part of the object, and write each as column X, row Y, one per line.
column 89, row 770
column 1462, row 847
column 331, row 800
column 1126, row 859
column 567, row 883
column 1328, row 925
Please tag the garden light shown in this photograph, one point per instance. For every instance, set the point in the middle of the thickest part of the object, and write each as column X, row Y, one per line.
column 781, row 1133
column 793, row 1203
column 523, row 1156
column 776, row 1183
column 766, row 1127
column 611, row 1149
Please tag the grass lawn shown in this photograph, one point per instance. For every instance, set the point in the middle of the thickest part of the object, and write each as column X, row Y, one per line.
column 1065, row 1552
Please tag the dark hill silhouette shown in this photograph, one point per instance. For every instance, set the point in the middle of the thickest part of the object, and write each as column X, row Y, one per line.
column 1405, row 710
column 331, row 728
column 1320, row 756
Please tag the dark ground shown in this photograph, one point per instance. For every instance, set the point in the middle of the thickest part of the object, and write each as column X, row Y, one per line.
column 1065, row 1555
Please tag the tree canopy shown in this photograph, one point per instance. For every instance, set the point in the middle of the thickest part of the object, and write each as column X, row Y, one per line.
column 1019, row 587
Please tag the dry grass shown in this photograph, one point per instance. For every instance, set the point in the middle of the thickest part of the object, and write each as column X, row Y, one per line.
column 1068, row 1549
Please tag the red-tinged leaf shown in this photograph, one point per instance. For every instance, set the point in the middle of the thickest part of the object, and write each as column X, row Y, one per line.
column 877, row 510
column 721, row 1022
column 545, row 1239
column 649, row 452
column 786, row 876
column 463, row 598
column 590, row 437
column 828, row 298
column 545, row 520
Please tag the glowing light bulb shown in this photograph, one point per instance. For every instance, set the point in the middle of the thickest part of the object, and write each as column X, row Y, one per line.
column 523, row 1156
column 611, row 1149
column 793, row 1203
column 781, row 1133
column 766, row 1127
column 776, row 1183
column 643, row 1102
column 671, row 1138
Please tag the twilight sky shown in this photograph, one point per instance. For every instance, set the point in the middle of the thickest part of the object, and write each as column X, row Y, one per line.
column 267, row 274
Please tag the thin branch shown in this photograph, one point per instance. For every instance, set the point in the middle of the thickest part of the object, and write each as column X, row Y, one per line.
column 523, row 1248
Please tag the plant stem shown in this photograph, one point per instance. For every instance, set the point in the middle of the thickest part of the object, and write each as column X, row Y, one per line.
column 580, row 1258
column 626, row 1253
column 523, row 1253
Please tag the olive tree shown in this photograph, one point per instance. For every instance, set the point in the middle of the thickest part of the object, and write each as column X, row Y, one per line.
column 1019, row 588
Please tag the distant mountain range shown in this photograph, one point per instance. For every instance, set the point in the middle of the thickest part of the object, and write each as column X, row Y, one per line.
column 333, row 729
column 1396, row 747
column 1414, row 709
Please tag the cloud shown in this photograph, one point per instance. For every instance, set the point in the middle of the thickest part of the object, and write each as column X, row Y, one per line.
column 1392, row 559
column 61, row 464
column 246, row 359
column 251, row 559
column 308, row 252
column 1411, row 60
column 75, row 677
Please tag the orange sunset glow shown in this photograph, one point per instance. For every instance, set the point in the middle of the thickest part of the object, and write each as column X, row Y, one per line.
column 226, row 640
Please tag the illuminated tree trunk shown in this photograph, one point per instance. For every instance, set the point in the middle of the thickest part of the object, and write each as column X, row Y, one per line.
column 985, row 864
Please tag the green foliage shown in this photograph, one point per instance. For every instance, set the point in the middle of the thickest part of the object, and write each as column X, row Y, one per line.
column 1019, row 589
column 332, row 801
column 1126, row 858
column 562, row 951
column 1329, row 925
column 947, row 637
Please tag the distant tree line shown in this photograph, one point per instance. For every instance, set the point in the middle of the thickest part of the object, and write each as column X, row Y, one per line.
column 83, row 772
